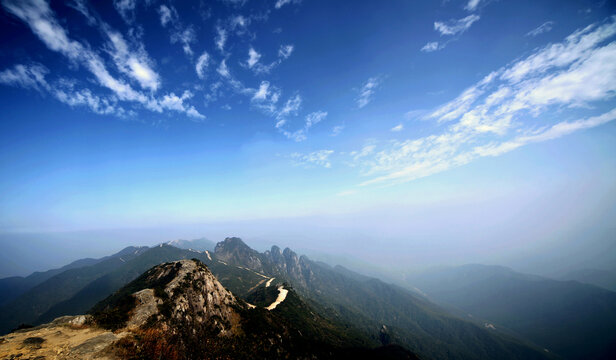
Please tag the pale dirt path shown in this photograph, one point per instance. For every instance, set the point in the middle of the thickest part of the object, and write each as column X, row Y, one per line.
column 269, row 282
column 282, row 294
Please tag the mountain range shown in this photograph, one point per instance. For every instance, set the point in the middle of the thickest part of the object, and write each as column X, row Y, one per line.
column 356, row 310
column 569, row 318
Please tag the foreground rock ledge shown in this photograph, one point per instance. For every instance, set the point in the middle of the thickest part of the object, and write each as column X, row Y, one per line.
column 67, row 337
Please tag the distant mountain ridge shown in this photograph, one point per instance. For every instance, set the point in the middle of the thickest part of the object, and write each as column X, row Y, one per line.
column 12, row 287
column 201, row 244
column 571, row 319
column 367, row 308
column 368, row 304
column 598, row 277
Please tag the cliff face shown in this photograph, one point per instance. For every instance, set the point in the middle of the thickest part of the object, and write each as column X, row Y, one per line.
column 289, row 265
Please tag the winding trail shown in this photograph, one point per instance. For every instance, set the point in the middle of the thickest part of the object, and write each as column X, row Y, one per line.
column 282, row 294
column 269, row 282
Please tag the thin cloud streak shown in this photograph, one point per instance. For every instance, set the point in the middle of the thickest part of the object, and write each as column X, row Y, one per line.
column 507, row 108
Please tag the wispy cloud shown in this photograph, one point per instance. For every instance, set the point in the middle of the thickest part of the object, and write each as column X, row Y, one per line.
column 221, row 38
column 291, row 109
column 315, row 118
column 185, row 37
column 315, row 158
column 366, row 92
column 223, row 70
column 41, row 20
column 336, row 130
column 285, row 51
column 510, row 108
column 168, row 15
column 178, row 32
column 33, row 76
column 397, row 128
column 431, row 46
column 254, row 59
column 126, row 9
column 281, row 3
column 202, row 64
column 82, row 7
column 133, row 62
column 543, row 28
column 454, row 27
column 471, row 5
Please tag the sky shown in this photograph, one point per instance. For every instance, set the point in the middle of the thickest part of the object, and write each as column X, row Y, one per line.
column 459, row 130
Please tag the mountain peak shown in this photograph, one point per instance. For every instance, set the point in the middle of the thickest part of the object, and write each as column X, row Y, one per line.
column 234, row 251
column 179, row 292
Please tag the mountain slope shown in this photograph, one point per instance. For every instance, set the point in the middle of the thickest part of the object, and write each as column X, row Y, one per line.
column 368, row 304
column 602, row 278
column 369, row 310
column 27, row 307
column 178, row 310
column 12, row 287
column 574, row 320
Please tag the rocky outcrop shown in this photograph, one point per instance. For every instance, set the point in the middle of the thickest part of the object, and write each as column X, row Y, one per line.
column 172, row 303
column 289, row 265
column 68, row 337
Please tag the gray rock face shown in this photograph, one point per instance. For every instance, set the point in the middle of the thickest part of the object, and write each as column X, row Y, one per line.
column 287, row 263
column 197, row 296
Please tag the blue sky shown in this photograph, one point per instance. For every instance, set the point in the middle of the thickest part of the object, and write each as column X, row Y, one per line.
column 148, row 113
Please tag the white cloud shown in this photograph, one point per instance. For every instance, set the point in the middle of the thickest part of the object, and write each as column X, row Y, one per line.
column 82, row 7
column 223, row 70
column 367, row 91
column 221, row 38
column 39, row 17
column 135, row 63
column 281, row 3
column 263, row 91
column 185, row 38
column 174, row 102
column 453, row 27
column 33, row 77
column 430, row 47
column 318, row 158
column 126, row 8
column 167, row 14
column 543, row 28
column 397, row 128
column 315, row 118
column 291, row 107
column 239, row 23
column 509, row 108
column 472, row 5
column 202, row 63
column 285, row 51
column 336, row 130
column 25, row 76
column 253, row 57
